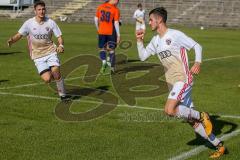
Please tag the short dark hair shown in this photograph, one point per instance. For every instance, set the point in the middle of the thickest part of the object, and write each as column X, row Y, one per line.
column 139, row 5
column 160, row 11
column 39, row 3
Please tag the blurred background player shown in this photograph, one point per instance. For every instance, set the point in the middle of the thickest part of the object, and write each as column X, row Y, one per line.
column 139, row 16
column 107, row 24
column 42, row 49
column 171, row 48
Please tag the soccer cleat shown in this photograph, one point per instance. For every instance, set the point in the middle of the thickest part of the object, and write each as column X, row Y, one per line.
column 206, row 122
column 65, row 98
column 219, row 151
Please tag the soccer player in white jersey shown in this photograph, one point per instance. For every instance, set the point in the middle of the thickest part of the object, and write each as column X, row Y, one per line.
column 171, row 48
column 43, row 51
column 139, row 16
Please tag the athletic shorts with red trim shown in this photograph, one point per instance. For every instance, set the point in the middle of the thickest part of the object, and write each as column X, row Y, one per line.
column 182, row 91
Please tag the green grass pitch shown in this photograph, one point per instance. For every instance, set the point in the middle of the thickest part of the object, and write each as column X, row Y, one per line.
column 29, row 128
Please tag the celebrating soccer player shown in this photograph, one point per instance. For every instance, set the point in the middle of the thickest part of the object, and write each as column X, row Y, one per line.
column 107, row 24
column 43, row 51
column 171, row 48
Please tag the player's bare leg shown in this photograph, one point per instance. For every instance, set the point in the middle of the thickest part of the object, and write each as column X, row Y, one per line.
column 55, row 70
column 170, row 107
column 46, row 77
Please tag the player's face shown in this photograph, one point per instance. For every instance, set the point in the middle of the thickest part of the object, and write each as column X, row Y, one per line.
column 153, row 22
column 40, row 11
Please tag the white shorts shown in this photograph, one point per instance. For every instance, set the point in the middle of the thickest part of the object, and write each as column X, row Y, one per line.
column 182, row 91
column 140, row 26
column 45, row 63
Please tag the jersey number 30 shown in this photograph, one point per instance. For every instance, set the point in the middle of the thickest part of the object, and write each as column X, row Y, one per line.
column 105, row 16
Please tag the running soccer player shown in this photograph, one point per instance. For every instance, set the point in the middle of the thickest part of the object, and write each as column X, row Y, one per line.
column 107, row 24
column 43, row 51
column 139, row 16
column 171, row 48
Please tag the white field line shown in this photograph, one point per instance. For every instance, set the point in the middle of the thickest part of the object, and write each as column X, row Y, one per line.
column 202, row 148
column 86, row 101
column 74, row 78
column 97, row 102
column 219, row 58
column 41, row 83
column 230, row 116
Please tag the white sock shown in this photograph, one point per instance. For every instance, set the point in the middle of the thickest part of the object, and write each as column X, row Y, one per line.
column 104, row 62
column 60, row 87
column 109, row 64
column 198, row 128
column 188, row 113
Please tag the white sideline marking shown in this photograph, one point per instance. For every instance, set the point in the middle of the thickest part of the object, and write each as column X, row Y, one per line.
column 69, row 79
column 202, row 148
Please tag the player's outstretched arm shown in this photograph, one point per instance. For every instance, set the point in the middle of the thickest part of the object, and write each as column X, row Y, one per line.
column 60, row 48
column 14, row 39
column 198, row 59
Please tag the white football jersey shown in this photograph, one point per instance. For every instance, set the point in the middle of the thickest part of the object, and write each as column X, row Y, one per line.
column 139, row 14
column 40, row 36
column 171, row 50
